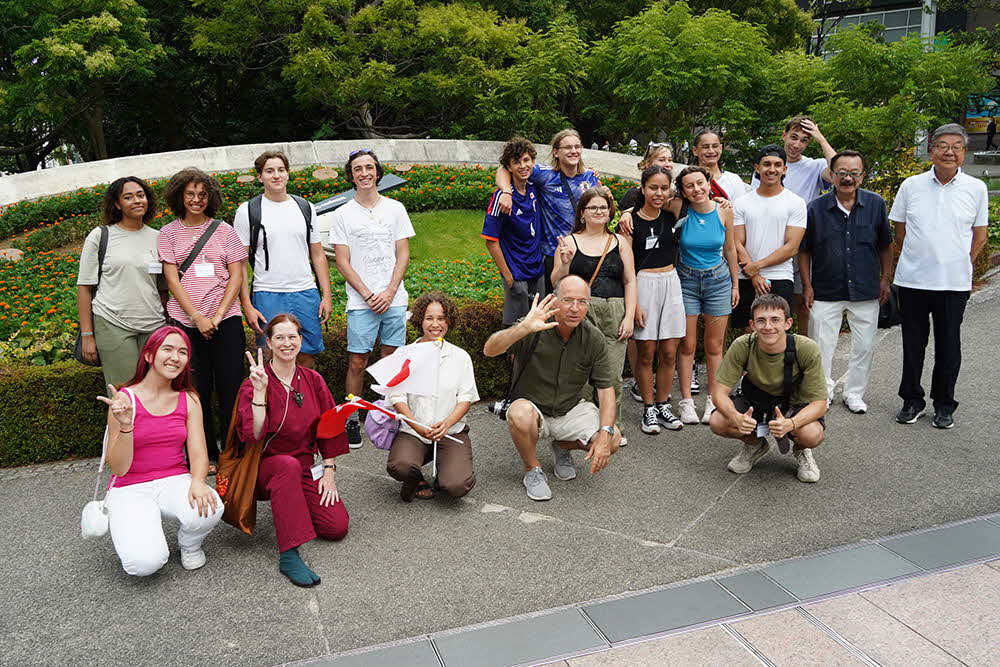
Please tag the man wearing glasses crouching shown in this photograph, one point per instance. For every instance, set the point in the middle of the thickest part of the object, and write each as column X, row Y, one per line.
column 553, row 360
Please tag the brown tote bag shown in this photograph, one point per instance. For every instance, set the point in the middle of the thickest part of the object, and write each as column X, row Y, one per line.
column 236, row 479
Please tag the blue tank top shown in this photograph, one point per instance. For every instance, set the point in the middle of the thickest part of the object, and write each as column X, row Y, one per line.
column 701, row 239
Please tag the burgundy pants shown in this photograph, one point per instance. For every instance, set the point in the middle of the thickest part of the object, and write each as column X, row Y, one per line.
column 294, row 496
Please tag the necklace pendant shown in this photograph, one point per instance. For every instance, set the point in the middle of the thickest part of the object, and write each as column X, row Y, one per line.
column 297, row 397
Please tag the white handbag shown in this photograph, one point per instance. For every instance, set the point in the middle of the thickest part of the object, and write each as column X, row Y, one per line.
column 95, row 520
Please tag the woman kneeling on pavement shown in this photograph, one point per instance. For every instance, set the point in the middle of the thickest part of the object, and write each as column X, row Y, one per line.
column 281, row 403
column 444, row 414
column 151, row 421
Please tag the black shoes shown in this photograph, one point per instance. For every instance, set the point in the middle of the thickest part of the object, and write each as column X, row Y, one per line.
column 353, row 428
column 943, row 419
column 911, row 412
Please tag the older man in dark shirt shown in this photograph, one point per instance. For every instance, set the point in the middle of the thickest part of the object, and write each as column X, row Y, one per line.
column 847, row 252
column 553, row 361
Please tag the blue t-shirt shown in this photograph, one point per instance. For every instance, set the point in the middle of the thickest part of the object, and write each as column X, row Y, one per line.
column 556, row 205
column 701, row 239
column 518, row 232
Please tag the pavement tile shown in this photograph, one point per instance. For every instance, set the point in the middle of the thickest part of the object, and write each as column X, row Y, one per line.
column 788, row 638
column 881, row 637
column 956, row 610
column 518, row 642
column 709, row 646
column 837, row 571
column 995, row 564
column 417, row 654
column 948, row 545
column 756, row 591
column 660, row 611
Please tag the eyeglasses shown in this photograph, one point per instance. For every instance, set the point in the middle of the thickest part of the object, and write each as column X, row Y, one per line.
column 360, row 150
column 949, row 148
column 848, row 174
column 567, row 301
column 574, row 147
column 281, row 338
column 597, row 209
column 195, row 196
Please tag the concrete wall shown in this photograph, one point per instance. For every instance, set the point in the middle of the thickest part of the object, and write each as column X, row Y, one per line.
column 32, row 185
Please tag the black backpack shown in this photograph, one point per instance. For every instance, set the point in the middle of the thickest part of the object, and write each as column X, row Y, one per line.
column 253, row 209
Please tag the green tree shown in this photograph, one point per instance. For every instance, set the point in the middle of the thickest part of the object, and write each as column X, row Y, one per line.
column 787, row 26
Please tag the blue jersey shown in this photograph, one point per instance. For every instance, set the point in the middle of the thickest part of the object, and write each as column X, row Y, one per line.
column 518, row 232
column 556, row 205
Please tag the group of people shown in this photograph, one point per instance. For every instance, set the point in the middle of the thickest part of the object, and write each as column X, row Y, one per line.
column 162, row 312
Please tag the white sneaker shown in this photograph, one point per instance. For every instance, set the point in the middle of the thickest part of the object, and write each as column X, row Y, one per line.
column 808, row 470
column 192, row 560
column 709, row 409
column 748, row 456
column 855, row 405
column 685, row 407
column 624, row 441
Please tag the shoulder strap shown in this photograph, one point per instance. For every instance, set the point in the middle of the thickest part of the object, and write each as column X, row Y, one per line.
column 102, row 251
column 791, row 358
column 567, row 188
column 607, row 244
column 253, row 213
column 514, row 379
column 206, row 235
column 307, row 213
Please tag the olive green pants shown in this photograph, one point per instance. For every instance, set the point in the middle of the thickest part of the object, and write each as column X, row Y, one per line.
column 606, row 315
column 119, row 350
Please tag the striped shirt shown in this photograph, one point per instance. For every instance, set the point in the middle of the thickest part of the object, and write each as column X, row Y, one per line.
column 205, row 291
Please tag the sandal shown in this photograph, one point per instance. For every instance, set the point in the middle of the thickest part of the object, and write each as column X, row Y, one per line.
column 212, row 469
column 425, row 491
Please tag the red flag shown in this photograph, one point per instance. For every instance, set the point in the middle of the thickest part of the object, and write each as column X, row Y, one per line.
column 367, row 405
column 333, row 422
column 403, row 373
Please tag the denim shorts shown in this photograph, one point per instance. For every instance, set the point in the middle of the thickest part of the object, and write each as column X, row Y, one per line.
column 304, row 305
column 706, row 291
column 364, row 326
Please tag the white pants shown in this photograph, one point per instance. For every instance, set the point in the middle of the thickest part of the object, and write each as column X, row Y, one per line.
column 824, row 328
column 136, row 513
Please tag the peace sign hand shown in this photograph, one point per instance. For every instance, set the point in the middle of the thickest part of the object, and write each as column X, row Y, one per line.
column 121, row 406
column 258, row 376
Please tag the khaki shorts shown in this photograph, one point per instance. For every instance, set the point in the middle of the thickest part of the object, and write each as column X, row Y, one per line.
column 580, row 423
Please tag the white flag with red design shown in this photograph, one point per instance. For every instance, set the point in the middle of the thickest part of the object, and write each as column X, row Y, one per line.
column 411, row 369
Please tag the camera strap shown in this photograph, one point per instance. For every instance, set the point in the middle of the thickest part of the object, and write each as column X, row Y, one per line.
column 520, row 369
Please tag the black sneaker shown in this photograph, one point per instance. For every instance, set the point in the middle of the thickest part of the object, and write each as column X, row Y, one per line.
column 943, row 419
column 668, row 419
column 695, row 387
column 910, row 412
column 353, row 428
column 633, row 391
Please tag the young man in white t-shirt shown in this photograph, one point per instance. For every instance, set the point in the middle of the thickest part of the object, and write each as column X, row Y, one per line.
column 769, row 223
column 370, row 234
column 290, row 271
column 807, row 177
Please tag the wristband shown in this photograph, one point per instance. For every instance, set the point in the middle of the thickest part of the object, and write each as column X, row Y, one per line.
column 128, row 431
column 792, row 419
column 259, row 405
column 370, row 297
column 331, row 466
column 86, row 333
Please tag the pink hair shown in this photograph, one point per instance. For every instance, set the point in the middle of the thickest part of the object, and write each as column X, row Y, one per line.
column 180, row 383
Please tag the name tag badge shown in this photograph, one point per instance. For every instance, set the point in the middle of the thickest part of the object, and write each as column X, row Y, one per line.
column 155, row 267
column 206, row 270
column 651, row 241
column 317, row 471
column 763, row 430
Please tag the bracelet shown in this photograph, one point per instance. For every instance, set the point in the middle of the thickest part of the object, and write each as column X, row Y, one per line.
column 128, row 431
column 259, row 405
column 792, row 419
column 332, row 466
column 370, row 297
column 86, row 333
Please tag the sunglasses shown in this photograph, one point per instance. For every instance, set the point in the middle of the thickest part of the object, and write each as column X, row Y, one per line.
column 360, row 150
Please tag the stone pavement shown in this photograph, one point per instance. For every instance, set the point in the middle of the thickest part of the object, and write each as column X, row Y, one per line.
column 665, row 511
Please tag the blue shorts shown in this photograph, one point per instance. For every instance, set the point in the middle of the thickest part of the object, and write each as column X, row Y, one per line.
column 364, row 325
column 303, row 305
column 706, row 291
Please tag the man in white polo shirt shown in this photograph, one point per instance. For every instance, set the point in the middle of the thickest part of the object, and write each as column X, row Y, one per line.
column 940, row 218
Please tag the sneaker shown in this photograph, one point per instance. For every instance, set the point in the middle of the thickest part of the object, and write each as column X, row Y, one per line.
column 623, row 442
column 668, row 419
column 808, row 470
column 686, row 408
column 748, row 456
column 564, row 468
column 910, row 412
column 537, row 485
column 634, row 392
column 855, row 405
column 650, row 423
column 353, row 429
column 192, row 560
column 709, row 409
column 943, row 419
column 695, row 387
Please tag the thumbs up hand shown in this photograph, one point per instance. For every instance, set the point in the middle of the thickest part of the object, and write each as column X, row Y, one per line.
column 780, row 426
column 744, row 422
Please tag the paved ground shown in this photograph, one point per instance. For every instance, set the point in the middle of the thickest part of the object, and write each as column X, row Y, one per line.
column 666, row 510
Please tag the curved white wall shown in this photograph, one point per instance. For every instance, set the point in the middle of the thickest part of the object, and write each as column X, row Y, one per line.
column 32, row 185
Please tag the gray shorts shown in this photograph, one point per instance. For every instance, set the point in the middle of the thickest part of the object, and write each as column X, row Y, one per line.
column 517, row 298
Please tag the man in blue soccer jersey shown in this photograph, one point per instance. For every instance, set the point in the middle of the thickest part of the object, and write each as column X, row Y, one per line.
column 514, row 239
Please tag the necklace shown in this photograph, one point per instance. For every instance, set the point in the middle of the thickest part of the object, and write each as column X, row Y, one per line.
column 296, row 395
column 370, row 210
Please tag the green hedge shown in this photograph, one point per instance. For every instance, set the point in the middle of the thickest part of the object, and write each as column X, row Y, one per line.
column 62, row 418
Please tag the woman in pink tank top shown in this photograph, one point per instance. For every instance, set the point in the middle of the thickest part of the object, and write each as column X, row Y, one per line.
column 154, row 431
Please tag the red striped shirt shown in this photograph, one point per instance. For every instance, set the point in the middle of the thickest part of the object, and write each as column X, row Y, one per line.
column 175, row 244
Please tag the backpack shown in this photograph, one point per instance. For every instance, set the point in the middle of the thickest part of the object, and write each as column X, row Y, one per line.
column 756, row 395
column 256, row 226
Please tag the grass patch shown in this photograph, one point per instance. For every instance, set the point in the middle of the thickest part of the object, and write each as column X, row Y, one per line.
column 447, row 234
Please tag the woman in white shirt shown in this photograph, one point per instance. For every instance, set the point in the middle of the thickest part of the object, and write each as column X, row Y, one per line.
column 444, row 413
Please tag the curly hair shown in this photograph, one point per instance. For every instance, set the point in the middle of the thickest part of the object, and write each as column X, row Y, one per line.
column 110, row 213
column 514, row 149
column 420, row 308
column 179, row 182
column 687, row 171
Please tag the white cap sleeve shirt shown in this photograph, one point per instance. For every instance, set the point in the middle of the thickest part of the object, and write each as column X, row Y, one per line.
column 939, row 220
column 290, row 267
column 766, row 219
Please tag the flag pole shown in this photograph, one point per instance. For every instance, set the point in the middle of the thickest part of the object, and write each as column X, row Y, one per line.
column 437, row 383
column 397, row 415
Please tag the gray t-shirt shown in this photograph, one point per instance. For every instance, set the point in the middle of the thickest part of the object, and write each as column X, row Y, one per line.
column 128, row 296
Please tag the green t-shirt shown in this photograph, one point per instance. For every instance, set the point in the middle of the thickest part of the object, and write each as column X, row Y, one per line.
column 767, row 371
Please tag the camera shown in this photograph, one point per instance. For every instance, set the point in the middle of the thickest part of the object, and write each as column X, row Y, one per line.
column 499, row 408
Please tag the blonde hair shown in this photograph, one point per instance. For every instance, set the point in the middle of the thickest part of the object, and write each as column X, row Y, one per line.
column 557, row 140
column 652, row 152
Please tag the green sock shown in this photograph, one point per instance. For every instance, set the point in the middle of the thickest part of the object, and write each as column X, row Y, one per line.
column 291, row 565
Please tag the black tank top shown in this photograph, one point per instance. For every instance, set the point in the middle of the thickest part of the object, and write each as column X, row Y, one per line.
column 608, row 284
column 661, row 249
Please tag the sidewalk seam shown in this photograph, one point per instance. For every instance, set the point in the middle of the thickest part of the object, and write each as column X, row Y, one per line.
column 910, row 628
column 839, row 638
column 754, row 651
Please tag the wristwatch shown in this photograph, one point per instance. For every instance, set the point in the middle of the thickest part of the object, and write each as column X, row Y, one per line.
column 610, row 430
